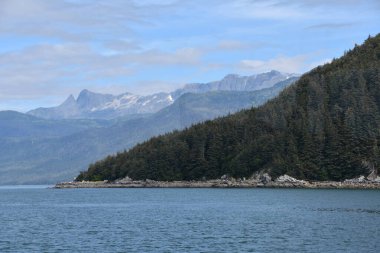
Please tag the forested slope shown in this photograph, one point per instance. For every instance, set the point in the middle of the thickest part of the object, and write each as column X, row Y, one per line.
column 324, row 127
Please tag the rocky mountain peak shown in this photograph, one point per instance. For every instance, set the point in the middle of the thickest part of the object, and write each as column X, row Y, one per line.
column 69, row 100
column 96, row 105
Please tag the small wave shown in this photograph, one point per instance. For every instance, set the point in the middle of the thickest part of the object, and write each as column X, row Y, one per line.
column 350, row 210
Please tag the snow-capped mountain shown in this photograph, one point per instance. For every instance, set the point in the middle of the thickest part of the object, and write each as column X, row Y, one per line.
column 235, row 82
column 45, row 151
column 92, row 105
column 130, row 103
column 104, row 106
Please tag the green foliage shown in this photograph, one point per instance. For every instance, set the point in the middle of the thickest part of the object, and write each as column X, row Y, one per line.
column 321, row 128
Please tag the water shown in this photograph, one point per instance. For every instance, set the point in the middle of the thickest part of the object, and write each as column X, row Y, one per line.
column 189, row 220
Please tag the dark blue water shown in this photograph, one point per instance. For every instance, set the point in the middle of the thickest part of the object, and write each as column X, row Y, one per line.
column 189, row 220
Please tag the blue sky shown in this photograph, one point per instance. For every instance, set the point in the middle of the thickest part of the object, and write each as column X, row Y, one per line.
column 52, row 48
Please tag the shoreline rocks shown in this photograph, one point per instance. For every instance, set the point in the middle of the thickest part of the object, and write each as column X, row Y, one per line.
column 262, row 181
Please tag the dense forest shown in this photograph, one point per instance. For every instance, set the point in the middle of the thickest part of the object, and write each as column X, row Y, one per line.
column 324, row 127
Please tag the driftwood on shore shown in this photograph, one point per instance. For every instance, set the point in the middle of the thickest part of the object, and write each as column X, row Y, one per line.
column 260, row 181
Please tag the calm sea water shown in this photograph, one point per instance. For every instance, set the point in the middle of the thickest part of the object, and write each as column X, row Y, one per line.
column 189, row 220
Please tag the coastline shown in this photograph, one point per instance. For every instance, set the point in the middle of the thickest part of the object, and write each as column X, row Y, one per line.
column 223, row 183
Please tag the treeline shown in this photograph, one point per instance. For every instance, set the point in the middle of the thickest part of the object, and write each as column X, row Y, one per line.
column 321, row 128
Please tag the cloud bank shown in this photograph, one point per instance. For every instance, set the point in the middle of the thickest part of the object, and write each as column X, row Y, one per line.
column 49, row 49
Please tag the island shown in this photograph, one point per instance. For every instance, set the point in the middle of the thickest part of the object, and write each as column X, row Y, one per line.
column 256, row 181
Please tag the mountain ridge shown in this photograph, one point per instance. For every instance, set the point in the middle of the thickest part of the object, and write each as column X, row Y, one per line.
column 16, row 125
column 94, row 105
column 323, row 127
column 51, row 159
column 235, row 82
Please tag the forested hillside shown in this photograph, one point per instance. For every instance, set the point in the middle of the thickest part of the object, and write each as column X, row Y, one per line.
column 324, row 127
column 44, row 151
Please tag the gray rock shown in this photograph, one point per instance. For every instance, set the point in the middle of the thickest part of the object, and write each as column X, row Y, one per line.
column 255, row 177
column 265, row 178
column 373, row 175
column 218, row 183
column 360, row 179
column 288, row 179
column 224, row 177
column 124, row 180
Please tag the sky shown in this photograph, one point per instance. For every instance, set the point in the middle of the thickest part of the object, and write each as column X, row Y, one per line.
column 50, row 49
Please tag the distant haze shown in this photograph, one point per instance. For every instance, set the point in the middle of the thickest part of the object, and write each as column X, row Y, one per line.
column 48, row 145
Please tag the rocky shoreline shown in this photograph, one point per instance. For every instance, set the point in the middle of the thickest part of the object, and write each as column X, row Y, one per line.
column 258, row 181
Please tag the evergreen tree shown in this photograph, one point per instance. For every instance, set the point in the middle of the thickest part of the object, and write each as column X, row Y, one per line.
column 324, row 127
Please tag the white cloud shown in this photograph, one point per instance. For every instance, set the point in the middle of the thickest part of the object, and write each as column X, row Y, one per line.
column 121, row 45
column 75, row 20
column 293, row 64
column 60, row 46
column 293, row 9
column 260, row 10
column 80, row 44
column 183, row 56
column 233, row 45
column 36, row 70
column 146, row 87
column 324, row 26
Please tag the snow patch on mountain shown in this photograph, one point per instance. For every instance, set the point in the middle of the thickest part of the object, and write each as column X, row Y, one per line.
column 105, row 106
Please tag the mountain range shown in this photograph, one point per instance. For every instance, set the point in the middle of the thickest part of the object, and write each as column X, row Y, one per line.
column 63, row 140
column 91, row 105
column 326, row 126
